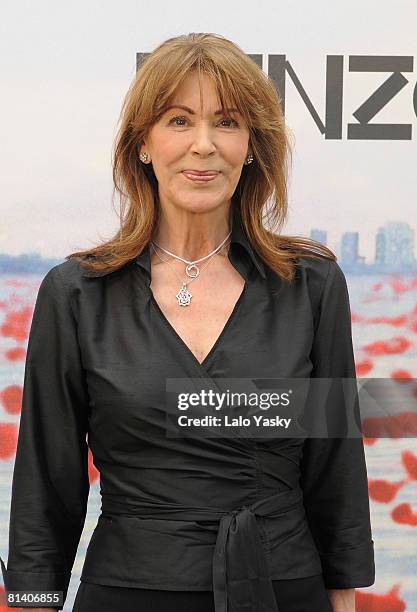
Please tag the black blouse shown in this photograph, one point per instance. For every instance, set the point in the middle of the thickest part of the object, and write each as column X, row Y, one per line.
column 220, row 514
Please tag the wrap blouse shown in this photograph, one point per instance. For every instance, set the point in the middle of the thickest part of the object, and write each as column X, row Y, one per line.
column 227, row 515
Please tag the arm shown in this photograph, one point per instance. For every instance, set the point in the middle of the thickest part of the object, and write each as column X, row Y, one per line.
column 333, row 470
column 342, row 600
column 50, row 479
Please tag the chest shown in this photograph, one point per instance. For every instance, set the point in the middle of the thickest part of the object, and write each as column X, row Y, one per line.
column 200, row 324
column 233, row 330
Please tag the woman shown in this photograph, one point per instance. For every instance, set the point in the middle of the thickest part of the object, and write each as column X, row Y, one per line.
column 193, row 288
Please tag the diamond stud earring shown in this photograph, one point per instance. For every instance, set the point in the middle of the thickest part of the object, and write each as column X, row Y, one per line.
column 249, row 159
column 143, row 156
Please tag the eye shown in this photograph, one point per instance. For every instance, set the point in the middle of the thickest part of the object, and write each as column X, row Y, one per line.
column 232, row 120
column 182, row 118
column 176, row 119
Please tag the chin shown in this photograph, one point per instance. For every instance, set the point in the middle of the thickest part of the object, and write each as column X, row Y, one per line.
column 198, row 205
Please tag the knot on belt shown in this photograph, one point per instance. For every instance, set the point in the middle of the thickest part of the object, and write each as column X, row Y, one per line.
column 241, row 580
column 240, row 509
column 240, row 570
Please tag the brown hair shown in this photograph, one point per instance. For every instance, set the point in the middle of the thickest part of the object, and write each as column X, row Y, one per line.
column 262, row 187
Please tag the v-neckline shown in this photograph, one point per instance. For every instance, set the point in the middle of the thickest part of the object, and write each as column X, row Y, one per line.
column 200, row 365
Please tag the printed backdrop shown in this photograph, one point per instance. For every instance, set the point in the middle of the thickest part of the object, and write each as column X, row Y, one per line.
column 347, row 77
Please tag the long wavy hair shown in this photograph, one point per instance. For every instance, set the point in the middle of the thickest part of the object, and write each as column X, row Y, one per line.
column 262, row 190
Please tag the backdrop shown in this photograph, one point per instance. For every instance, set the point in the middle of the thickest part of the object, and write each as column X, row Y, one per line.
column 346, row 74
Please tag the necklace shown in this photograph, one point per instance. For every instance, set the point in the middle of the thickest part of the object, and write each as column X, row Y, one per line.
column 184, row 295
column 192, row 269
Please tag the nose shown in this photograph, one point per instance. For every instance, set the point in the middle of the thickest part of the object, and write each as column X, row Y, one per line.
column 203, row 139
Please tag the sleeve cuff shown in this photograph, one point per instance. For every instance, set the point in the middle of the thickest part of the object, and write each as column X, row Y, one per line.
column 34, row 581
column 349, row 568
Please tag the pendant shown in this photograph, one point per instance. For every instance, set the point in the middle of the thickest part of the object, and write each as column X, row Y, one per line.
column 192, row 270
column 184, row 296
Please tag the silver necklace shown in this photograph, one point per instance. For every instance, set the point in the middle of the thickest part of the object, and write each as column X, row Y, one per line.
column 184, row 295
column 192, row 269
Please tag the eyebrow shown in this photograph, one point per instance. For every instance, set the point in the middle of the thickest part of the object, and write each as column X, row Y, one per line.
column 190, row 110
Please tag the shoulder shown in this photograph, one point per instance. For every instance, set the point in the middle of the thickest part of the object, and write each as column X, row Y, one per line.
column 72, row 273
column 64, row 284
column 323, row 280
column 71, row 280
column 67, row 274
column 320, row 271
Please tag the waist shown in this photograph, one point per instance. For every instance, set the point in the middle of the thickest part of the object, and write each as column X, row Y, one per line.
column 239, row 567
column 272, row 505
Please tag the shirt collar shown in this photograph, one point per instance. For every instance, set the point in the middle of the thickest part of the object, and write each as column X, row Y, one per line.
column 237, row 237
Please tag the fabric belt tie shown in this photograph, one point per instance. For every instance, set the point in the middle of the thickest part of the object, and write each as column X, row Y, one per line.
column 241, row 581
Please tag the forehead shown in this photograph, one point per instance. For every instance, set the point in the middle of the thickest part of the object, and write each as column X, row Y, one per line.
column 191, row 111
column 191, row 88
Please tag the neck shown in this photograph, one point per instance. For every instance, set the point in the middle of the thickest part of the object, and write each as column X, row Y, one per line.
column 192, row 235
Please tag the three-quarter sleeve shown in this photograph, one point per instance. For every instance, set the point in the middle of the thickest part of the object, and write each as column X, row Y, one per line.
column 50, row 483
column 333, row 469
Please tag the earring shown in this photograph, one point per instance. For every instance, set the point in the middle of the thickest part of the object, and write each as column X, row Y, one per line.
column 143, row 156
column 249, row 159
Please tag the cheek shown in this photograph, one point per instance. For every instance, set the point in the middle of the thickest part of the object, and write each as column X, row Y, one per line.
column 166, row 150
column 235, row 151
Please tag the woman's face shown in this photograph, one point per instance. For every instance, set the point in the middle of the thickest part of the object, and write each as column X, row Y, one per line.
column 190, row 140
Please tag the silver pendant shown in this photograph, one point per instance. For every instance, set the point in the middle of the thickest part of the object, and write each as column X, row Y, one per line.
column 184, row 296
column 192, row 270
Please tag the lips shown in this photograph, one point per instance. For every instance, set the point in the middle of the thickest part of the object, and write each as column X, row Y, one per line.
column 202, row 172
column 200, row 177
